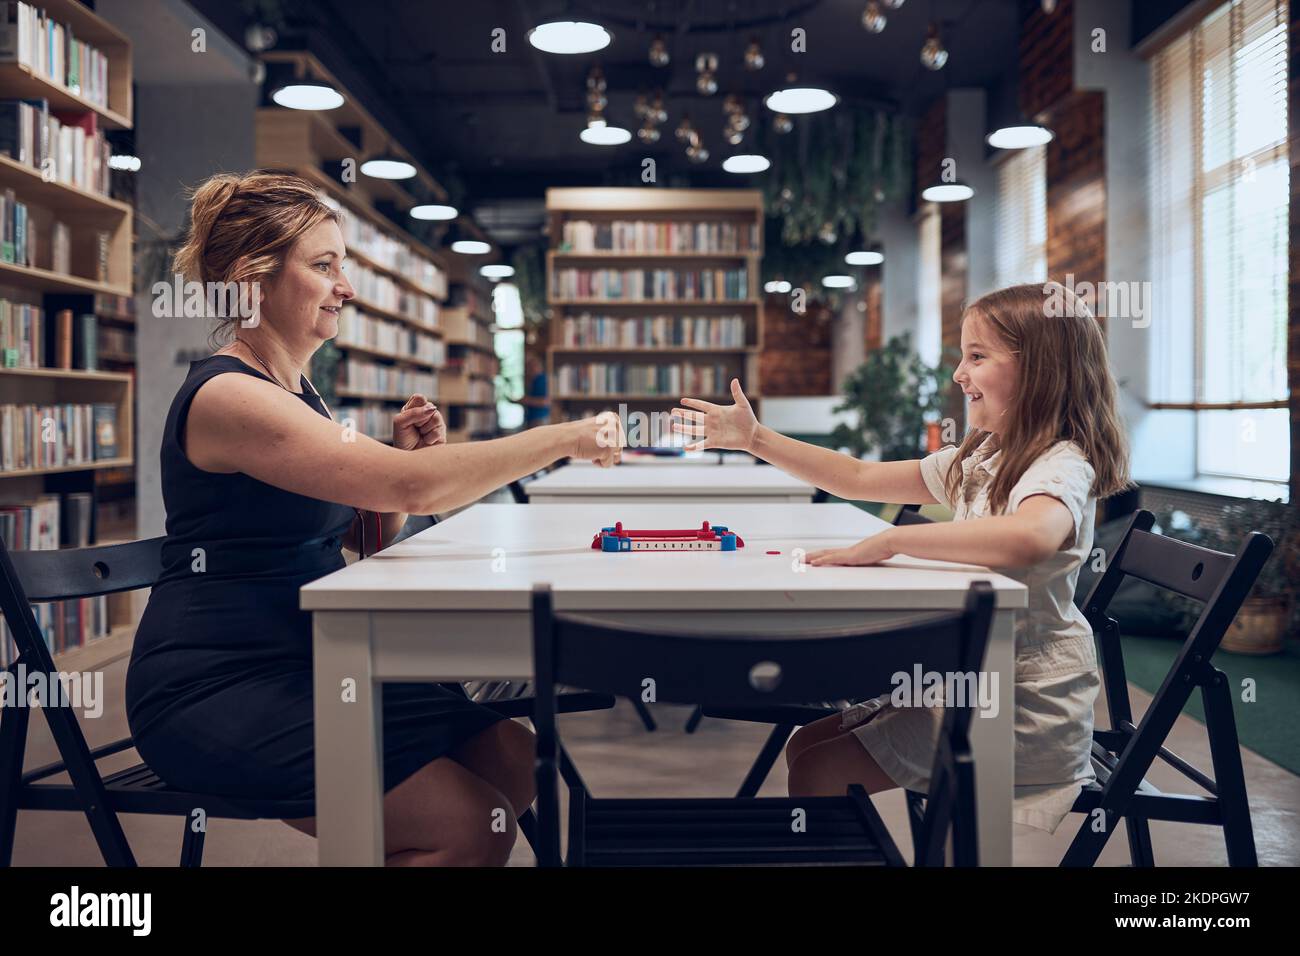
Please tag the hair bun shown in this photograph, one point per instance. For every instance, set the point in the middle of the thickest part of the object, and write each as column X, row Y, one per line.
column 206, row 205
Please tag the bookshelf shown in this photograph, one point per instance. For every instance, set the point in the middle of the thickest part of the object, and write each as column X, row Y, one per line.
column 66, row 305
column 467, row 386
column 654, row 294
column 392, row 335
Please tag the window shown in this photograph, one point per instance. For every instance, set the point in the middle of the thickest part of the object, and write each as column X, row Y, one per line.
column 1219, row 217
column 509, row 341
column 929, row 288
column 1020, row 249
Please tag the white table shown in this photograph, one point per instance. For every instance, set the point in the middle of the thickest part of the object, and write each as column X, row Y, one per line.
column 676, row 484
column 452, row 603
column 697, row 458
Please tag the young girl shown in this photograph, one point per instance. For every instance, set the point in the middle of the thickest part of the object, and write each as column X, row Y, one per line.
column 1045, row 443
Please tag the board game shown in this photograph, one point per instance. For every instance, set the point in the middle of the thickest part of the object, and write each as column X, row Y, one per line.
column 704, row 538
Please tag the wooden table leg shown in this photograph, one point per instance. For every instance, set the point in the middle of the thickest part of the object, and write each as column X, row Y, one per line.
column 349, row 742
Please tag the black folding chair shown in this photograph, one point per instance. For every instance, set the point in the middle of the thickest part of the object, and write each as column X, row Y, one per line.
column 1122, row 755
column 780, row 668
column 39, row 576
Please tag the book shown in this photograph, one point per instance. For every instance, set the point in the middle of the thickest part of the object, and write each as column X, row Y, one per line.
column 60, row 249
column 75, row 519
column 105, row 422
column 22, row 343
column 60, row 345
column 85, row 342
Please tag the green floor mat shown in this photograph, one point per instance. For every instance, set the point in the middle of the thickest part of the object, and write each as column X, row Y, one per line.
column 1270, row 726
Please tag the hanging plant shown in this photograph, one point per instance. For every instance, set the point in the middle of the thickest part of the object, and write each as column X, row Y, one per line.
column 530, row 278
column 828, row 180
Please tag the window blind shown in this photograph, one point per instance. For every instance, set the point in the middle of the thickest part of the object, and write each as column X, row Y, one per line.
column 1219, row 215
column 1020, row 246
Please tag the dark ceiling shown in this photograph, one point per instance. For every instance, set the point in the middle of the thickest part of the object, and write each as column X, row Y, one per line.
column 508, row 123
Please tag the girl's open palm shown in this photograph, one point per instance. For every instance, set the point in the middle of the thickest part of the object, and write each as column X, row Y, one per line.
column 717, row 426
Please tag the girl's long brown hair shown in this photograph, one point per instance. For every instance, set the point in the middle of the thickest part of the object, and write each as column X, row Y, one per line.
column 241, row 227
column 1065, row 390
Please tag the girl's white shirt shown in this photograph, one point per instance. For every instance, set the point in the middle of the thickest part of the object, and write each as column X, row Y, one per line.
column 1056, row 662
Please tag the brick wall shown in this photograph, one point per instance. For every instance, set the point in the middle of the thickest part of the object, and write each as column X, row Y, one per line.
column 931, row 148
column 1076, row 190
column 1046, row 55
column 796, row 356
column 873, row 328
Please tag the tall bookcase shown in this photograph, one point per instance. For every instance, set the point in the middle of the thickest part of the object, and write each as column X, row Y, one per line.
column 400, row 310
column 79, row 262
column 654, row 294
column 467, row 387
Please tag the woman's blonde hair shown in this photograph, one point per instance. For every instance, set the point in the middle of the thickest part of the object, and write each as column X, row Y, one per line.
column 241, row 227
column 1065, row 391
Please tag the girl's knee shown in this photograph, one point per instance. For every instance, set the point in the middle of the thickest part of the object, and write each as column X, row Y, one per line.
column 810, row 735
column 809, row 776
column 799, row 741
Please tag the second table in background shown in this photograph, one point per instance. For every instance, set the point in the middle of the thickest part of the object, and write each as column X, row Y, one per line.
column 681, row 484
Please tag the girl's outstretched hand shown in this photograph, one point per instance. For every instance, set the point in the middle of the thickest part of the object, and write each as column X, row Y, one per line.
column 871, row 550
column 717, row 426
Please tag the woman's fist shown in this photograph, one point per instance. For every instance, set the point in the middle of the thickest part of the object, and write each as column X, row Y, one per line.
column 599, row 439
column 418, row 425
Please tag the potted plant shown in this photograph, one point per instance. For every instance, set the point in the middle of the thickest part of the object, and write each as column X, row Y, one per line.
column 894, row 393
column 1270, row 612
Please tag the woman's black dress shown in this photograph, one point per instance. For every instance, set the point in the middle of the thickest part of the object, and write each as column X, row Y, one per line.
column 219, row 689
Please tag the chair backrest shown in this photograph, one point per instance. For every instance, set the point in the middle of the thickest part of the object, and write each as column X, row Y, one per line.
column 700, row 665
column 28, row 577
column 414, row 525
column 1219, row 580
column 516, row 488
column 703, row 666
column 910, row 514
column 1222, row 581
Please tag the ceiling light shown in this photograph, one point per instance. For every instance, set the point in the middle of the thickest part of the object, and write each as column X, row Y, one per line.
column 434, row 211
column 864, row 258
column 800, row 99
column 659, row 52
column 471, row 247
column 387, row 166
column 308, row 95
column 873, row 18
column 947, row 192
column 127, row 164
column 746, row 163
column 497, row 271
column 605, row 135
column 837, row 282
column 933, row 54
column 569, row 36
column 1019, row 137
column 777, row 285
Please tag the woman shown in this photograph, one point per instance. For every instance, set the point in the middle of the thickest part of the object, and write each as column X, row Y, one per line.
column 262, row 489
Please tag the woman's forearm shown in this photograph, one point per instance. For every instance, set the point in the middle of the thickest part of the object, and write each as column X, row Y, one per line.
column 445, row 477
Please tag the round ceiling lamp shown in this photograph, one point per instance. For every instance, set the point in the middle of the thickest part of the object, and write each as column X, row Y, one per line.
column 569, row 37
